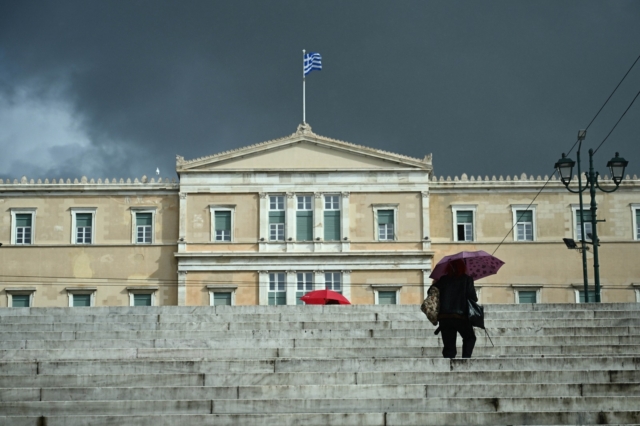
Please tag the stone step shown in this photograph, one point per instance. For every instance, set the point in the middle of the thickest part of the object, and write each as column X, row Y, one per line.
column 373, row 342
column 370, row 405
column 307, row 352
column 345, row 365
column 423, row 333
column 294, row 379
column 417, row 315
column 346, row 419
column 416, row 391
column 307, row 325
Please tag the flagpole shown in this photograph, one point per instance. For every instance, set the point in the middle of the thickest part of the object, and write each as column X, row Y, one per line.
column 304, row 100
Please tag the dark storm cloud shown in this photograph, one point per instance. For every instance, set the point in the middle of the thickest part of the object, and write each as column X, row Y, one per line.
column 487, row 87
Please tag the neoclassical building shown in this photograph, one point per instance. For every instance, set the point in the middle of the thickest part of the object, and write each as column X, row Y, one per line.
column 266, row 223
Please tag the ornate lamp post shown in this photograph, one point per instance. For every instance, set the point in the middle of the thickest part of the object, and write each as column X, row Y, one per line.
column 565, row 168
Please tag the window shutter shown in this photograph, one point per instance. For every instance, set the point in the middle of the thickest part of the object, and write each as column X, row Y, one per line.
column 83, row 219
column 142, row 219
column 81, row 300
column 585, row 213
column 526, row 297
column 386, row 297
column 464, row 216
column 20, row 300
column 222, row 298
column 276, row 217
column 23, row 220
column 385, row 217
column 524, row 216
column 142, row 299
column 592, row 296
column 332, row 225
column 304, row 226
column 223, row 221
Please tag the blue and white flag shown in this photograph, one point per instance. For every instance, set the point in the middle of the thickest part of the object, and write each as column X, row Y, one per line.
column 312, row 61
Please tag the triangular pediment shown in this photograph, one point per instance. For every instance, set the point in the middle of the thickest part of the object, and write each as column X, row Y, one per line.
column 303, row 150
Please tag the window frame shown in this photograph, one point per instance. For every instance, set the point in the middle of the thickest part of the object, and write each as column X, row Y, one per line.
column 83, row 210
column 376, row 226
column 635, row 230
column 304, row 209
column 575, row 209
column 311, row 283
column 332, row 281
column 222, row 289
column 284, row 214
column 134, row 225
column 20, row 291
column 331, row 208
column 152, row 290
column 14, row 231
column 577, row 288
column 514, row 213
column 518, row 288
column 386, row 287
column 455, row 208
column 276, row 282
column 82, row 290
column 213, row 208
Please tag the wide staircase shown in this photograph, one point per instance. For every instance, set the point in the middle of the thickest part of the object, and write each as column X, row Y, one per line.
column 316, row 365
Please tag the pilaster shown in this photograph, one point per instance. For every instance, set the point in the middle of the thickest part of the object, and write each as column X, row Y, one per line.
column 426, row 228
column 182, row 288
column 291, row 287
column 263, row 287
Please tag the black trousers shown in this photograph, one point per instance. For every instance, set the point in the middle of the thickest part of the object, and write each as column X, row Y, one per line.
column 450, row 327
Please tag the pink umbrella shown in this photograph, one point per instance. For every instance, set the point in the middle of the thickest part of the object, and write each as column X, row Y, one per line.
column 480, row 264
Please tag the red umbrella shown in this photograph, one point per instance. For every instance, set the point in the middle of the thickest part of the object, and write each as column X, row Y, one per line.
column 324, row 297
column 480, row 264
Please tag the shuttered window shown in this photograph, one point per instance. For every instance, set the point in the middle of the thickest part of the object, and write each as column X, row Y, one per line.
column 592, row 296
column 386, row 225
column 332, row 225
column 222, row 225
column 276, row 226
column 527, row 296
column 84, row 225
column 387, row 298
column 23, row 228
column 141, row 299
column 81, row 300
column 277, row 289
column 524, row 225
column 20, row 300
column 304, row 225
column 144, row 225
column 464, row 224
column 637, row 224
column 222, row 298
column 588, row 226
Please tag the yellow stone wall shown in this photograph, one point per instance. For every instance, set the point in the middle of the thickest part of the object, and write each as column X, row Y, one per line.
column 246, row 218
column 245, row 294
column 361, row 217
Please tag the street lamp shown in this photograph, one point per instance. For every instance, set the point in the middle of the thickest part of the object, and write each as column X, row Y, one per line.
column 565, row 168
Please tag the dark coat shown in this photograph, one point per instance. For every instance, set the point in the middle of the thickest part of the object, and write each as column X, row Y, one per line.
column 454, row 293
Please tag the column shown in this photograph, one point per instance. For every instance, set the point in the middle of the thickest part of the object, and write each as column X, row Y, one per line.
column 426, row 230
column 182, row 288
column 291, row 286
column 346, row 284
column 263, row 232
column 318, row 217
column 290, row 220
column 263, row 287
column 318, row 280
column 344, row 221
column 182, row 230
column 426, row 282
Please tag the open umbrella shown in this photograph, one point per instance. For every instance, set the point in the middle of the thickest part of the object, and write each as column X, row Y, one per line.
column 480, row 264
column 324, row 297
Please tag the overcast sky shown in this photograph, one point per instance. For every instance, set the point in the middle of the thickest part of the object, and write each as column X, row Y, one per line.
column 117, row 88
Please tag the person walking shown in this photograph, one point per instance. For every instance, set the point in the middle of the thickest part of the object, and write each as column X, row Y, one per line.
column 456, row 287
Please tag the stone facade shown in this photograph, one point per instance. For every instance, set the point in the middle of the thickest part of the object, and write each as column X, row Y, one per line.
column 265, row 223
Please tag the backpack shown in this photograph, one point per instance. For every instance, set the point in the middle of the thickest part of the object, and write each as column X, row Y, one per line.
column 431, row 305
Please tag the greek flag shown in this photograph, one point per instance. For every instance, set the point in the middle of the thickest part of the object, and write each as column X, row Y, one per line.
column 312, row 61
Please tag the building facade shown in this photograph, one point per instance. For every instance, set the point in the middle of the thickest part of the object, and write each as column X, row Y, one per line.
column 264, row 224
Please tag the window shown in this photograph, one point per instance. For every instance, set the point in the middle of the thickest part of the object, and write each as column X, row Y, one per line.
column 305, row 285
column 276, row 218
column 385, row 225
column 524, row 223
column 142, row 295
column 82, row 222
column 222, row 295
column 143, row 228
column 464, row 225
column 588, row 229
column 141, row 300
column 81, row 296
column 20, row 297
column 23, row 221
column 592, row 296
column 635, row 220
column 527, row 296
column 304, row 218
column 332, row 217
column 386, row 294
column 222, row 222
column 387, row 298
column 333, row 281
column 277, row 290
